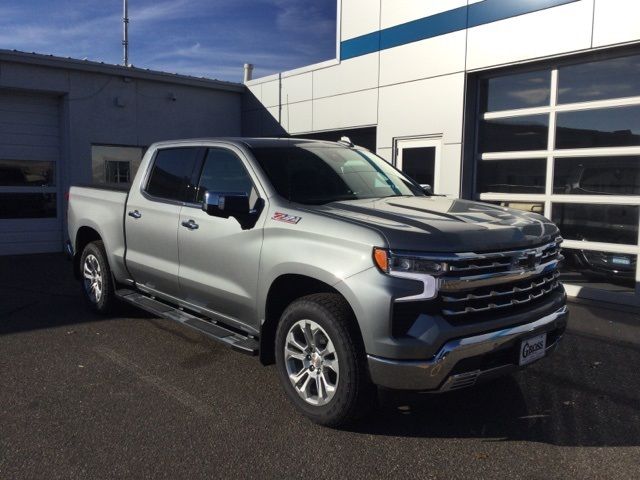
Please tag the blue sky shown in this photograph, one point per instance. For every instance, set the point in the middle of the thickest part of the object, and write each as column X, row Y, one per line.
column 210, row 38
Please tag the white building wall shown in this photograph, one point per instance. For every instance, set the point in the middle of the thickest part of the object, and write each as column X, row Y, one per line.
column 418, row 88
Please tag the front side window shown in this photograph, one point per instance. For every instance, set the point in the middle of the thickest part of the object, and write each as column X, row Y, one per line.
column 223, row 172
column 171, row 173
column 311, row 174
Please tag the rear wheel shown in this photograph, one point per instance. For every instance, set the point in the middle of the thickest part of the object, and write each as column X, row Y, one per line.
column 97, row 287
column 321, row 361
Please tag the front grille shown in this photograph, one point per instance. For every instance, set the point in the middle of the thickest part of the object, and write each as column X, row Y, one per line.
column 479, row 284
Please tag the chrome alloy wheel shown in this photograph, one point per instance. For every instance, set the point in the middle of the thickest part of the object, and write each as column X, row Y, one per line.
column 92, row 278
column 312, row 362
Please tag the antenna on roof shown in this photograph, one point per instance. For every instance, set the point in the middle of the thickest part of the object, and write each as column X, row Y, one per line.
column 125, row 32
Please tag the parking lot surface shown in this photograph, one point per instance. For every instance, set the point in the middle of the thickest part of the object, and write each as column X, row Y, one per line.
column 133, row 396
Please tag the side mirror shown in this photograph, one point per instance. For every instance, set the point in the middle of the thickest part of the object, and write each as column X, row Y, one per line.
column 426, row 188
column 225, row 205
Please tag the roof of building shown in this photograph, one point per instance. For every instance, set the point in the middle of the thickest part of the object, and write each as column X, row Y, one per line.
column 110, row 69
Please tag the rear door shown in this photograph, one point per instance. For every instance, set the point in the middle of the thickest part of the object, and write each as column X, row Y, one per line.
column 152, row 219
column 218, row 260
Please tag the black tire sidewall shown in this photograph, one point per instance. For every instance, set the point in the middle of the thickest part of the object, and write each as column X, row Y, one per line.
column 340, row 405
column 106, row 300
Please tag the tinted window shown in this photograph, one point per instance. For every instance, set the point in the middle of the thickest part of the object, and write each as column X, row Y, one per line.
column 514, row 134
column 604, row 127
column 509, row 92
column 512, row 176
column 597, row 176
column 419, row 164
column 317, row 174
column 597, row 223
column 223, row 172
column 614, row 78
column 171, row 174
column 21, row 173
column 28, row 205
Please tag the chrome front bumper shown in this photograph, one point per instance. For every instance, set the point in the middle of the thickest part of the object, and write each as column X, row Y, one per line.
column 436, row 374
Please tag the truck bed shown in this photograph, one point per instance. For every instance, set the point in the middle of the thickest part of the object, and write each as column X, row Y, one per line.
column 101, row 208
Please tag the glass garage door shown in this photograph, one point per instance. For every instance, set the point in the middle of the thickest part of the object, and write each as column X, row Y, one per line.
column 564, row 141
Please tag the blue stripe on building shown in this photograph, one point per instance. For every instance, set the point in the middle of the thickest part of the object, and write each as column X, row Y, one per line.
column 481, row 13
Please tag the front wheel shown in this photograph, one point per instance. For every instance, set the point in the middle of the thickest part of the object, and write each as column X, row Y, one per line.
column 97, row 287
column 321, row 361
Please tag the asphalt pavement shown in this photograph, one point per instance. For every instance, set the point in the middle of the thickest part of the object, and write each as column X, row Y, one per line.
column 133, row 396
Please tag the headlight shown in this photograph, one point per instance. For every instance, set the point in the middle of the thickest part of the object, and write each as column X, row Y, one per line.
column 392, row 263
column 413, row 267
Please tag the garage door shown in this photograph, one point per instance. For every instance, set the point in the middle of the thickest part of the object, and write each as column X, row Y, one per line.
column 30, row 217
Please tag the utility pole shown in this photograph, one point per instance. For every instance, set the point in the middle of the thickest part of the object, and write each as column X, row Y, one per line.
column 125, row 32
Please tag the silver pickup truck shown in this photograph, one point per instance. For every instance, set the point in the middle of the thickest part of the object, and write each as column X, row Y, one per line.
column 324, row 259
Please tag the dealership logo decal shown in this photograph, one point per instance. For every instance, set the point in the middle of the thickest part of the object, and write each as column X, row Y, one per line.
column 286, row 218
column 530, row 349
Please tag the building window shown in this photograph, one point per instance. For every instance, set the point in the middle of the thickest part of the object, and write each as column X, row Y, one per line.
column 564, row 141
column 115, row 165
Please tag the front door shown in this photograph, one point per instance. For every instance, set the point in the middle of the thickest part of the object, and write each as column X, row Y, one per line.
column 420, row 159
column 219, row 261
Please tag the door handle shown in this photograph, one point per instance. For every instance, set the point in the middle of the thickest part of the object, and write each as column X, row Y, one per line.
column 190, row 224
column 135, row 214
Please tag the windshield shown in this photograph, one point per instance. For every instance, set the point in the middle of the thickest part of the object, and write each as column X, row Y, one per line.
column 320, row 174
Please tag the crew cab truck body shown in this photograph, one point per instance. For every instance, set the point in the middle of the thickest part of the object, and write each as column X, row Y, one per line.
column 323, row 258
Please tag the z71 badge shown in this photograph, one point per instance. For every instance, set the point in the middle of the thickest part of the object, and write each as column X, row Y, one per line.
column 286, row 218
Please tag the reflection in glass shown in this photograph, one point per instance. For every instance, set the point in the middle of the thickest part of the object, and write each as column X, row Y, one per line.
column 602, row 80
column 597, row 223
column 605, row 270
column 514, row 134
column 597, row 176
column 27, row 205
column 512, row 176
column 533, row 207
column 602, row 127
column 524, row 90
column 27, row 173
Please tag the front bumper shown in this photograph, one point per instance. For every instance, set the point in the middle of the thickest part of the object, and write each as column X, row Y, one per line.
column 465, row 361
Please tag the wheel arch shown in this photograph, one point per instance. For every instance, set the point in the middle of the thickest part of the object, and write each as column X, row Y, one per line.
column 84, row 236
column 282, row 292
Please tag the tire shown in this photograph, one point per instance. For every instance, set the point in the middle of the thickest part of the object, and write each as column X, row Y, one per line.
column 95, row 279
column 332, row 328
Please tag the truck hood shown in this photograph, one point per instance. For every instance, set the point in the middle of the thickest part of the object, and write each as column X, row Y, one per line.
column 437, row 224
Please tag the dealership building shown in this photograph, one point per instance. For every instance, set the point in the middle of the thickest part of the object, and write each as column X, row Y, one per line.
column 530, row 104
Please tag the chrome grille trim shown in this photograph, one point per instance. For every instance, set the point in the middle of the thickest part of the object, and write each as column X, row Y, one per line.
column 494, row 306
column 534, row 284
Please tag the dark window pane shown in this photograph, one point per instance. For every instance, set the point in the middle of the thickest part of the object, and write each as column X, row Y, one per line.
column 605, row 270
column 613, row 78
column 23, row 173
column 172, row 172
column 514, row 134
column 533, row 207
column 512, row 176
column 597, row 223
column 117, row 171
column 604, row 127
column 223, row 172
column 419, row 164
column 509, row 92
column 28, row 205
column 597, row 176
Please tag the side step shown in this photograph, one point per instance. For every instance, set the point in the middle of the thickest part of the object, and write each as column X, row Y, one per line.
column 235, row 340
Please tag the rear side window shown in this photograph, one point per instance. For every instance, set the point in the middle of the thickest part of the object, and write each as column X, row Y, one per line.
column 223, row 172
column 171, row 175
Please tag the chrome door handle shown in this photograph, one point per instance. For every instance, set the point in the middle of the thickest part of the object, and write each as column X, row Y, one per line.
column 190, row 224
column 135, row 214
